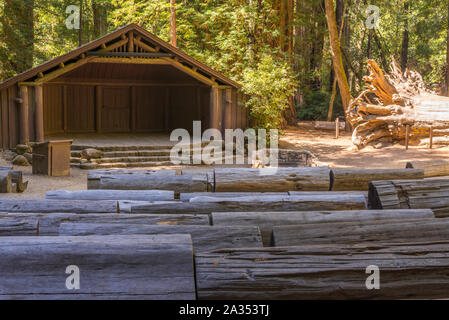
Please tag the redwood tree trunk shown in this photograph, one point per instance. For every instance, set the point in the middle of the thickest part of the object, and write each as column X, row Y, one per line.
column 173, row 23
column 337, row 57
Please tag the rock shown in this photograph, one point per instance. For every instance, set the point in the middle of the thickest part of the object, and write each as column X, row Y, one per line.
column 91, row 154
column 9, row 155
column 22, row 149
column 20, row 161
column 88, row 166
column 29, row 157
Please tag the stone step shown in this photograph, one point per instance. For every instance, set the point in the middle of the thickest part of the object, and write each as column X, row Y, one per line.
column 134, row 164
column 131, row 148
column 136, row 153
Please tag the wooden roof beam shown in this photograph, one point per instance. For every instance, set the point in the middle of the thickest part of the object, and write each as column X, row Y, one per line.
column 59, row 72
column 178, row 65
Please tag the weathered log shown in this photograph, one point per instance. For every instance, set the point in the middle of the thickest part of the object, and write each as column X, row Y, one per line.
column 110, row 267
column 407, row 271
column 189, row 196
column 49, row 222
column 267, row 220
column 204, row 238
column 138, row 195
column 60, row 206
column 432, row 168
column 155, row 182
column 391, row 231
column 411, row 194
column 265, row 180
column 5, row 181
column 359, row 179
column 261, row 204
column 94, row 176
column 202, row 172
column 18, row 226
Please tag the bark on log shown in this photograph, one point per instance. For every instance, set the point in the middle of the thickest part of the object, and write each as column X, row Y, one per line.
column 264, row 180
column 432, row 168
column 408, row 271
column 5, row 181
column 94, row 176
column 59, row 206
column 137, row 195
column 359, row 179
column 188, row 196
column 411, row 194
column 262, row 204
column 177, row 184
column 267, row 220
column 49, row 222
column 18, row 226
column 387, row 231
column 156, row 267
column 204, row 238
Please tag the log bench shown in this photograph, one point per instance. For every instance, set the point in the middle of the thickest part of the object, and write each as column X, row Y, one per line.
column 110, row 267
column 407, row 271
column 368, row 231
column 204, row 238
column 47, row 224
column 267, row 220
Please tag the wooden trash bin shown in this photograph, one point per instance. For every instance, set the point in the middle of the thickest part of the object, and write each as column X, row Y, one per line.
column 52, row 158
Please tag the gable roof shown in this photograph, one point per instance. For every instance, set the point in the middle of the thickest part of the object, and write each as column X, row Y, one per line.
column 100, row 43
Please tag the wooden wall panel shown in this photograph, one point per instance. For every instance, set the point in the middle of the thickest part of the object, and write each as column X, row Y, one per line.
column 182, row 107
column 116, row 111
column 80, row 108
column 53, row 109
column 149, row 109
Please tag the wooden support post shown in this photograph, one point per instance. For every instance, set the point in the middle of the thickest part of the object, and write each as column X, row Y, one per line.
column 99, row 106
column 131, row 42
column 337, row 128
column 430, row 137
column 24, row 124
column 215, row 109
column 407, row 130
column 39, row 114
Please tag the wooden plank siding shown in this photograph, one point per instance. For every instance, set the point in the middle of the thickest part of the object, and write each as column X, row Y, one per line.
column 4, row 119
column 80, row 106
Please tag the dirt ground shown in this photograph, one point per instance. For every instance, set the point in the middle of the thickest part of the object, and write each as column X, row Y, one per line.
column 336, row 153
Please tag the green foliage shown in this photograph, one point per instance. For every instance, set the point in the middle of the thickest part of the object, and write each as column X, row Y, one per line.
column 316, row 106
column 268, row 86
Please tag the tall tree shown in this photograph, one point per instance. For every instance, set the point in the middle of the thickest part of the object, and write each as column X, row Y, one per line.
column 446, row 88
column 340, row 74
column 100, row 18
column 405, row 40
column 18, row 36
column 173, row 23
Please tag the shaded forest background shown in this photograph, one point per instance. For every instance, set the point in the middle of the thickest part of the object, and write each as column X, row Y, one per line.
column 277, row 49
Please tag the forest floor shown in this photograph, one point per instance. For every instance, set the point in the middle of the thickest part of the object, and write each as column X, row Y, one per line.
column 336, row 153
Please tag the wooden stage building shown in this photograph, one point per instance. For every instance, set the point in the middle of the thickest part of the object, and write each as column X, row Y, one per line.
column 128, row 81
